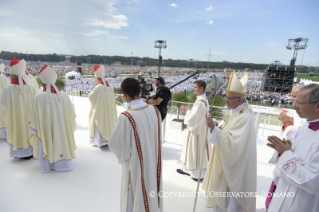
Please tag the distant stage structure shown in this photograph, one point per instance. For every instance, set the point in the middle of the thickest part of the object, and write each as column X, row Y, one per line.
column 278, row 79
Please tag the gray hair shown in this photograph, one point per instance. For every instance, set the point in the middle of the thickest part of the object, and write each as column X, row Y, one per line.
column 314, row 92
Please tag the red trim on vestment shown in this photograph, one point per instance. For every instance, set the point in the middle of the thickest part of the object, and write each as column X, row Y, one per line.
column 107, row 84
column 16, row 81
column 187, row 142
column 52, row 89
column 285, row 127
column 159, row 160
column 140, row 155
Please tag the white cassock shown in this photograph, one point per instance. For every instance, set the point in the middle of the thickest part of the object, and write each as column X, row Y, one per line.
column 103, row 114
column 52, row 126
column 136, row 142
column 18, row 107
column 298, row 172
column 233, row 164
column 4, row 81
column 192, row 150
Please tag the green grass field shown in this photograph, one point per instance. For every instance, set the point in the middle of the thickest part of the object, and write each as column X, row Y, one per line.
column 313, row 78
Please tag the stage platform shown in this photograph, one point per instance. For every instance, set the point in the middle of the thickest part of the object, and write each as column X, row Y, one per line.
column 94, row 185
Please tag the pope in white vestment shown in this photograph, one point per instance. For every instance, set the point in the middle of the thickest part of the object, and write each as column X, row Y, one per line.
column 52, row 126
column 17, row 101
column 233, row 164
column 192, row 151
column 103, row 114
column 136, row 142
column 297, row 168
column 4, row 81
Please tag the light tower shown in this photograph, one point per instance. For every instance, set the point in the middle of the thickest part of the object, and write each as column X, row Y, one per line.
column 297, row 47
column 160, row 44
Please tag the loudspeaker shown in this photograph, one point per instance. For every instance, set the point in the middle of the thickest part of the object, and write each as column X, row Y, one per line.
column 278, row 79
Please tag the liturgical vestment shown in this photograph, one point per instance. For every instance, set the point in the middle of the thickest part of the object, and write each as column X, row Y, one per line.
column 233, row 164
column 136, row 142
column 195, row 140
column 103, row 114
column 298, row 173
column 18, row 107
column 52, row 126
column 4, row 81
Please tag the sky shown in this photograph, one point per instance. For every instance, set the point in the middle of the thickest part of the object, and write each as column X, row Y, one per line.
column 248, row 31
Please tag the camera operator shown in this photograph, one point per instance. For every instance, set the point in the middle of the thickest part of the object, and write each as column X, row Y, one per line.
column 161, row 98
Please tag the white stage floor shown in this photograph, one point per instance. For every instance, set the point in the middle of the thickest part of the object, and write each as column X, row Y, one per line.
column 94, row 185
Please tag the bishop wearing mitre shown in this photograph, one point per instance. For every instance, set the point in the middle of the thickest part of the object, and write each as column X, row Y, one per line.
column 4, row 81
column 52, row 126
column 232, row 166
column 103, row 114
column 17, row 101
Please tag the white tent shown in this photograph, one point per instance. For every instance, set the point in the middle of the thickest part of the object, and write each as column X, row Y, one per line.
column 72, row 73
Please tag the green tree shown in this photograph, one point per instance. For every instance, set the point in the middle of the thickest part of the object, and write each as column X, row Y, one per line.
column 192, row 98
column 179, row 97
column 60, row 83
column 118, row 90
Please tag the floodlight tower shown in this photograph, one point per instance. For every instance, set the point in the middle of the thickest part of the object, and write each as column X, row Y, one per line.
column 160, row 44
column 296, row 48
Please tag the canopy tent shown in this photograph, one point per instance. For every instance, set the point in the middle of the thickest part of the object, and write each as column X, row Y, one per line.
column 71, row 74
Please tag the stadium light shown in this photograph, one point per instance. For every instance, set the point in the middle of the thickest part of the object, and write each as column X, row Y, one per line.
column 160, row 44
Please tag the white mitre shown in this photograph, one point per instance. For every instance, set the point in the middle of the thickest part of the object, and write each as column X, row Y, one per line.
column 237, row 87
column 48, row 76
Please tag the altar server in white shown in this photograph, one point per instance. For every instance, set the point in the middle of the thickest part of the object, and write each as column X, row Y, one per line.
column 103, row 114
column 4, row 81
column 233, row 164
column 52, row 126
column 192, row 150
column 17, row 101
column 136, row 142
column 298, row 165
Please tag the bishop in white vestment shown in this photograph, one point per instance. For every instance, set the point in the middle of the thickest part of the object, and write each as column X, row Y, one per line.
column 52, row 126
column 136, row 142
column 298, row 165
column 103, row 114
column 233, row 164
column 193, row 151
column 17, row 101
column 4, row 81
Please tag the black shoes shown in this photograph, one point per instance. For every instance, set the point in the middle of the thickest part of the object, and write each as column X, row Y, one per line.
column 181, row 172
column 26, row 158
column 196, row 180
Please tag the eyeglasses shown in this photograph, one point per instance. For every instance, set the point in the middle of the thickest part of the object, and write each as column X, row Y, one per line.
column 230, row 98
column 157, row 84
column 298, row 104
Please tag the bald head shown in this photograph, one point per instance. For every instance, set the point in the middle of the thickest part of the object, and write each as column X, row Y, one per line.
column 294, row 92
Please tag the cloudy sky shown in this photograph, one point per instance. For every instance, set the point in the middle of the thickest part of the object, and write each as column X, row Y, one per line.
column 252, row 31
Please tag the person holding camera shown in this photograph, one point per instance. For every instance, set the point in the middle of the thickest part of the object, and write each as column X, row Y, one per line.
column 161, row 98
